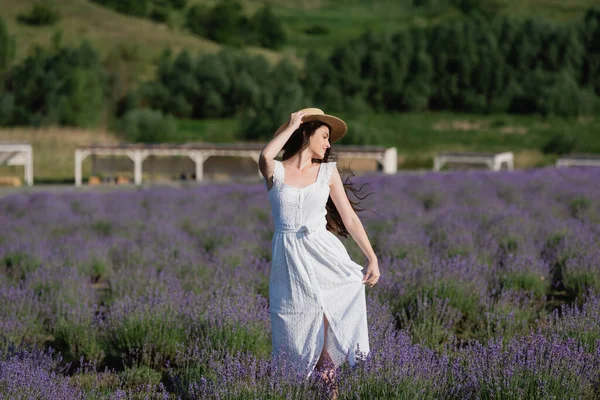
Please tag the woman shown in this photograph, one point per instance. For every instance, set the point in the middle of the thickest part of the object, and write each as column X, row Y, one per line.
column 316, row 292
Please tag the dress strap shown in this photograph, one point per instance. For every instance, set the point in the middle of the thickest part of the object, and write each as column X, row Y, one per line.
column 330, row 167
column 278, row 173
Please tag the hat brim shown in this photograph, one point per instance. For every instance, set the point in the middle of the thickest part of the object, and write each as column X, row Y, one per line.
column 338, row 127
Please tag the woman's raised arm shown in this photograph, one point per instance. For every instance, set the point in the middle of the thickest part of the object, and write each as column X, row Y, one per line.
column 266, row 160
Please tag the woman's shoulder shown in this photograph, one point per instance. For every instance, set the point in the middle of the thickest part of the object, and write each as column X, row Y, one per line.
column 330, row 168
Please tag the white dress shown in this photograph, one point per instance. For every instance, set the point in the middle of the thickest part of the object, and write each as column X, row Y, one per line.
column 311, row 275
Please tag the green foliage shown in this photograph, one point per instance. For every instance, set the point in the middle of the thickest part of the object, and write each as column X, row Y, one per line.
column 7, row 55
column 159, row 14
column 77, row 338
column 7, row 105
column 464, row 6
column 226, row 23
column 176, row 4
column 102, row 227
column 429, row 321
column 139, row 376
column 18, row 265
column 284, row 94
column 40, row 14
column 157, row 10
column 559, row 143
column 138, row 8
column 528, row 281
column 474, row 64
column 198, row 19
column 268, row 29
column 579, row 206
column 7, row 48
column 148, row 337
column 234, row 337
column 438, row 310
column 62, row 86
column 590, row 34
column 226, row 84
column 147, row 125
column 316, row 29
column 579, row 282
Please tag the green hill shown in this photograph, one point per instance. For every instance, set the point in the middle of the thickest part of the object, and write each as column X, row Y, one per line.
column 134, row 44
column 347, row 19
column 136, row 40
column 141, row 40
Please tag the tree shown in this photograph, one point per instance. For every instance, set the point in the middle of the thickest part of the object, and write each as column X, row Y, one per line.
column 227, row 23
column 64, row 86
column 40, row 14
column 7, row 48
column 268, row 29
column 138, row 8
column 590, row 34
column 197, row 19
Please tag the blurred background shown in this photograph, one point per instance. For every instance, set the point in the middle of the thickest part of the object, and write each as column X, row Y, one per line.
column 422, row 76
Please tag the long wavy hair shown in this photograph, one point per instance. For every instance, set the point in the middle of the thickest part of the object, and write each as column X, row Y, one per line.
column 300, row 140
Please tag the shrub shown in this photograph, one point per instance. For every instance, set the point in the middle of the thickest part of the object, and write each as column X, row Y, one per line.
column 316, row 29
column 559, row 143
column 7, row 105
column 268, row 28
column 159, row 14
column 138, row 8
column 7, row 48
column 226, row 23
column 58, row 86
column 40, row 15
column 197, row 18
column 147, row 125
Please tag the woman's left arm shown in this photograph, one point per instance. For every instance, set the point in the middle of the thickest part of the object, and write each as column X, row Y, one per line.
column 354, row 226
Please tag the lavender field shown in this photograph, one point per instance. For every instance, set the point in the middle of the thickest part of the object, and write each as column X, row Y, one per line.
column 490, row 289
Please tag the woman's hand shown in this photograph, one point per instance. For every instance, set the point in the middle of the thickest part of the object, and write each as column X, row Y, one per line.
column 372, row 275
column 296, row 120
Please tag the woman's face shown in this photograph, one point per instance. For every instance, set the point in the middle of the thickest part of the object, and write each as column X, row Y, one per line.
column 319, row 141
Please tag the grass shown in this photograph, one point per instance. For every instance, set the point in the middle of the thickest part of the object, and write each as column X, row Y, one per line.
column 418, row 136
column 54, row 150
column 208, row 130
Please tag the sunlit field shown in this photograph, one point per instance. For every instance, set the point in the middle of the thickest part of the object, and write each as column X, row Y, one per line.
column 490, row 289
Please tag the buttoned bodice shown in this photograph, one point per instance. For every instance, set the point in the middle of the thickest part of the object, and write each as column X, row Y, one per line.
column 296, row 208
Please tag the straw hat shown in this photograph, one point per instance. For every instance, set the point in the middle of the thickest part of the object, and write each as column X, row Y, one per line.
column 338, row 127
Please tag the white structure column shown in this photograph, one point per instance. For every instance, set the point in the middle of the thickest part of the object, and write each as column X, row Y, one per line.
column 138, row 157
column 80, row 155
column 198, row 158
column 14, row 153
column 29, row 168
column 390, row 161
column 493, row 161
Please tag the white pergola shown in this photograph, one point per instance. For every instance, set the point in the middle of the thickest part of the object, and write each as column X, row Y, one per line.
column 18, row 153
column 388, row 157
column 579, row 160
column 493, row 160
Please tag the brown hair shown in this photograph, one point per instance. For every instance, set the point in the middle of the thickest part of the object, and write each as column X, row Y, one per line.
column 298, row 141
